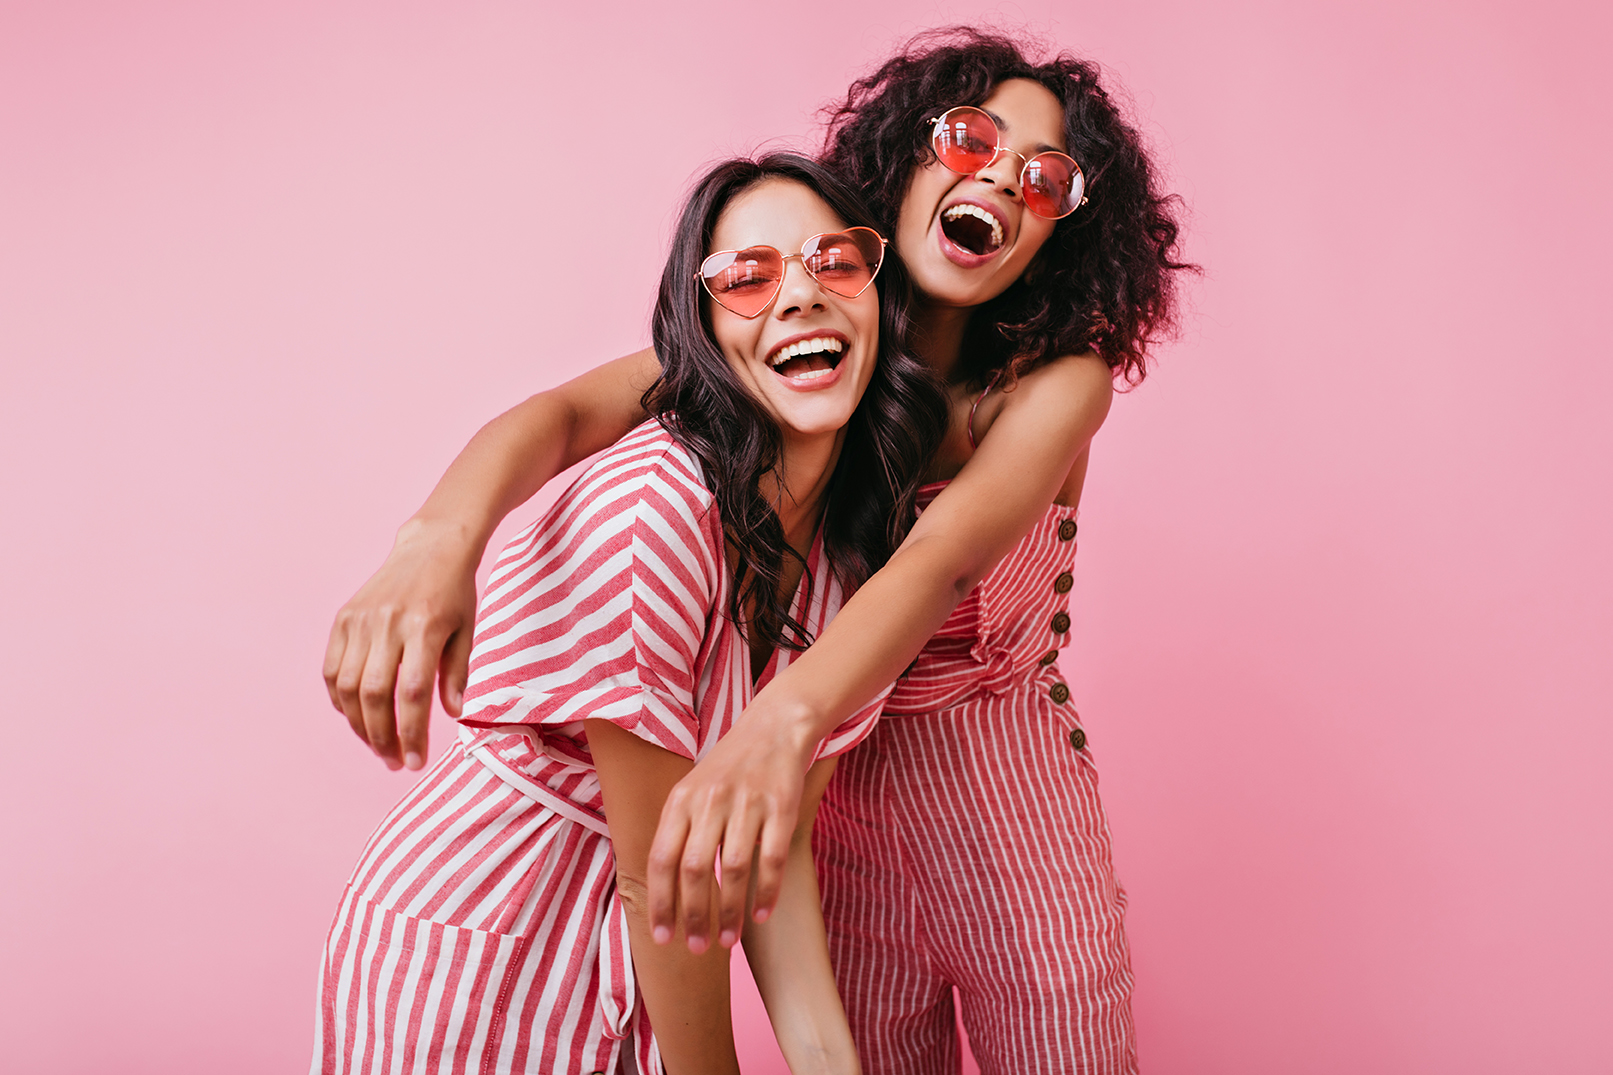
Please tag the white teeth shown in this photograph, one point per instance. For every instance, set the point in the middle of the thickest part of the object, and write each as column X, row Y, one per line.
column 813, row 346
column 965, row 209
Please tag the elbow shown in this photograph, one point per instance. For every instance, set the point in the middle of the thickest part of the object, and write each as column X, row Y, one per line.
column 634, row 892
column 961, row 569
column 965, row 581
column 964, row 575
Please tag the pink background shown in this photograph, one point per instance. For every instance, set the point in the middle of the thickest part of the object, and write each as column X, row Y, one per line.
column 1344, row 597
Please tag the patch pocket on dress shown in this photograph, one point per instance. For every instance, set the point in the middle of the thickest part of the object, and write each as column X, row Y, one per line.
column 401, row 992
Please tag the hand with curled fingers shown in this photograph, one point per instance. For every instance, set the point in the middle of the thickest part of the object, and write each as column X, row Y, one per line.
column 737, row 809
column 409, row 625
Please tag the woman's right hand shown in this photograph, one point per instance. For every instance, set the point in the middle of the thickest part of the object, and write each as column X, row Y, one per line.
column 412, row 622
column 409, row 624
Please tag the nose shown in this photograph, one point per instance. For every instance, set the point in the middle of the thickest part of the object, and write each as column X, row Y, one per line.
column 798, row 292
column 1003, row 171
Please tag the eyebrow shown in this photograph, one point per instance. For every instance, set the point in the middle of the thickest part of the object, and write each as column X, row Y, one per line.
column 1004, row 127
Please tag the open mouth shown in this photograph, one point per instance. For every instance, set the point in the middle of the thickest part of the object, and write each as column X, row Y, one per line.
column 808, row 359
column 972, row 228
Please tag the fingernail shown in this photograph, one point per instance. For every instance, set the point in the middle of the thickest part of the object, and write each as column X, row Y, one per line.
column 698, row 945
column 762, row 913
column 661, row 934
column 412, row 760
column 392, row 763
column 728, row 938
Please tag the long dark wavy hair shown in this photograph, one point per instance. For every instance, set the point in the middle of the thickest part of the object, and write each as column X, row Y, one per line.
column 1105, row 281
column 896, row 427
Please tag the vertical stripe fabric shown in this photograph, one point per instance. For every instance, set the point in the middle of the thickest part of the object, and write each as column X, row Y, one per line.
column 481, row 931
column 963, row 846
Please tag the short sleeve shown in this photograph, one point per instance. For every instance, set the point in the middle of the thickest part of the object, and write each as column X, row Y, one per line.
column 602, row 609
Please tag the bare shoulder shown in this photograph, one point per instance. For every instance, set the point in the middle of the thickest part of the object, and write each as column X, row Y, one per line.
column 1083, row 374
column 1071, row 390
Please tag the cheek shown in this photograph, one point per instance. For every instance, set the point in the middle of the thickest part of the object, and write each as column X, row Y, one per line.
column 867, row 325
column 1034, row 233
column 734, row 336
column 924, row 190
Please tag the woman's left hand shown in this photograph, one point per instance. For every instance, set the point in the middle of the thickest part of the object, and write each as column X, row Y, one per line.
column 746, row 792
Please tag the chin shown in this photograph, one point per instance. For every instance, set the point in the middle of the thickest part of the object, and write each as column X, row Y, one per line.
column 817, row 422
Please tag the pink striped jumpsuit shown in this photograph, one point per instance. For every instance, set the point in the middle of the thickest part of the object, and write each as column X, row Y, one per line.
column 481, row 931
column 963, row 845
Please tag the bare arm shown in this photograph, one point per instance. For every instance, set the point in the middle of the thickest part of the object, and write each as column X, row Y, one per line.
column 685, row 993
column 789, row 957
column 412, row 621
column 749, row 789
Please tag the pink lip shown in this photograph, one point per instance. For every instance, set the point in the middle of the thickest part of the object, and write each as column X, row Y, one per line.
column 958, row 255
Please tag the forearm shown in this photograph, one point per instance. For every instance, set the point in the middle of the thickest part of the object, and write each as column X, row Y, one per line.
column 789, row 957
column 869, row 643
column 686, row 994
column 514, row 455
column 985, row 511
column 508, row 460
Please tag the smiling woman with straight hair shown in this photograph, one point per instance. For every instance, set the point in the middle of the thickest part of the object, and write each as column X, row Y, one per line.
column 497, row 919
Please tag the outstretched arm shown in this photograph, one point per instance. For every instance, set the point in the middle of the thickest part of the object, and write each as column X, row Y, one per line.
column 748, row 790
column 411, row 622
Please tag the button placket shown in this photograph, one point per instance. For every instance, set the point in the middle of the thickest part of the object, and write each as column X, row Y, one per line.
column 1060, row 692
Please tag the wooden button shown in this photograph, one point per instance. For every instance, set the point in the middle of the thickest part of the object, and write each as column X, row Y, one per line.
column 1059, row 693
column 1063, row 583
column 1067, row 530
column 1048, row 658
column 1061, row 622
column 1078, row 739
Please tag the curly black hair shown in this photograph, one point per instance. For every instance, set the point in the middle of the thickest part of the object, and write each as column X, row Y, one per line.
column 892, row 434
column 1106, row 280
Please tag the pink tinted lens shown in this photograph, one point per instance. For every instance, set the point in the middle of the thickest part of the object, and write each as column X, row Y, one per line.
column 743, row 281
column 1052, row 185
column 965, row 139
column 844, row 262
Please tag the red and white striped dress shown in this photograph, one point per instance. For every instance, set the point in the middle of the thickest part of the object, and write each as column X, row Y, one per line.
column 963, row 846
column 480, row 931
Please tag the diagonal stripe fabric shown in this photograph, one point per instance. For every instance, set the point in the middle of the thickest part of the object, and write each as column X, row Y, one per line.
column 480, row 931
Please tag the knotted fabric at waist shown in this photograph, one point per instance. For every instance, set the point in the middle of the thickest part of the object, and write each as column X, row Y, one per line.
column 947, row 675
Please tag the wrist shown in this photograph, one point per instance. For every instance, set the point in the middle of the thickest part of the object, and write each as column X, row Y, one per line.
column 444, row 537
column 793, row 725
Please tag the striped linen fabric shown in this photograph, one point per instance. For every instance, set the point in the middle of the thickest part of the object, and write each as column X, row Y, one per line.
column 963, row 847
column 481, row 931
